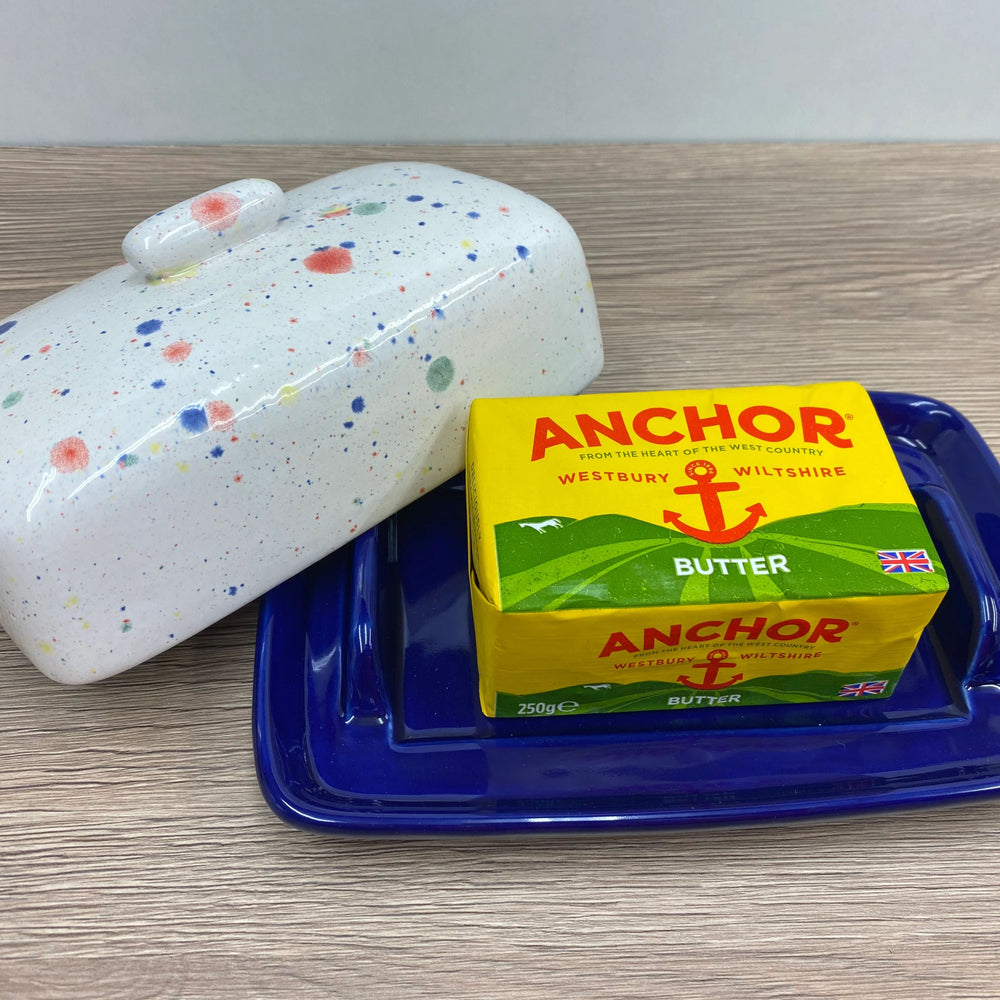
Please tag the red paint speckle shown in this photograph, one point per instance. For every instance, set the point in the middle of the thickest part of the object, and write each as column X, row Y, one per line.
column 220, row 415
column 332, row 260
column 238, row 479
column 45, row 349
column 216, row 210
column 361, row 359
column 69, row 455
column 179, row 350
column 504, row 209
column 402, row 288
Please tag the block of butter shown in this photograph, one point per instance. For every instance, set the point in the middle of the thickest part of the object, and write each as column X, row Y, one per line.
column 670, row 550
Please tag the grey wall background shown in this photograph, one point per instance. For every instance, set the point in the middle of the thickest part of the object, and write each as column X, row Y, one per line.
column 208, row 71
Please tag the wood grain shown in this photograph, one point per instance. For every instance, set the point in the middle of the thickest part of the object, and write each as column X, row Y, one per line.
column 137, row 858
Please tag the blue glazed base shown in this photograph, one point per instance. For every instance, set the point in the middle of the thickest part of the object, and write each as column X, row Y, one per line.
column 367, row 719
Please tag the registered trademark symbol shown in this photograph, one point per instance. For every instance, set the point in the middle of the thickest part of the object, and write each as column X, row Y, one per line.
column 848, row 416
column 855, row 623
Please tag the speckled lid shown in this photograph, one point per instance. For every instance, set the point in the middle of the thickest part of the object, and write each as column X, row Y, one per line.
column 269, row 375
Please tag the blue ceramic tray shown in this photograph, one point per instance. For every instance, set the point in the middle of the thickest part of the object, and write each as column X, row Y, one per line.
column 367, row 721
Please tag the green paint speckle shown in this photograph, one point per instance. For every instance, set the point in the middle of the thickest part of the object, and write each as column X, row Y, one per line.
column 440, row 373
column 12, row 399
column 369, row 208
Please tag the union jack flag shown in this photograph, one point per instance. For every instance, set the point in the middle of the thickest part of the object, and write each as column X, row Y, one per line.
column 906, row 561
column 862, row 688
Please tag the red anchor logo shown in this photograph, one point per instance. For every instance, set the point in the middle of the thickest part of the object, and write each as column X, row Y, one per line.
column 711, row 668
column 703, row 473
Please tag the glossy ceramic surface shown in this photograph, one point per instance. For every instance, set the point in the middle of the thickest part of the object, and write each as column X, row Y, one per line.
column 270, row 375
column 367, row 718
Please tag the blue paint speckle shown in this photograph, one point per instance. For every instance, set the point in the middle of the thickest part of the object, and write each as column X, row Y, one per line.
column 194, row 419
column 437, row 204
column 358, row 404
column 148, row 327
column 348, row 424
column 348, row 244
column 472, row 256
column 216, row 452
column 158, row 384
column 472, row 215
column 9, row 325
column 65, row 392
column 523, row 252
column 233, row 591
column 415, row 197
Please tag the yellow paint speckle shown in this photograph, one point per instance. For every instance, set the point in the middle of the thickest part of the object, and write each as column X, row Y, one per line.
column 288, row 394
column 45, row 647
column 165, row 277
column 183, row 467
column 72, row 602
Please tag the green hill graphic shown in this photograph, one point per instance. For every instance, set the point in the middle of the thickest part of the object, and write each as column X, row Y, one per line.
column 549, row 562
column 648, row 695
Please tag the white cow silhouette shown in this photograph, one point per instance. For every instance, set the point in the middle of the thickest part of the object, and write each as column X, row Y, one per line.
column 540, row 526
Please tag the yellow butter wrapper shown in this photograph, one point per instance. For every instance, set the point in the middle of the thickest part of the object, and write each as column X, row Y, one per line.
column 660, row 550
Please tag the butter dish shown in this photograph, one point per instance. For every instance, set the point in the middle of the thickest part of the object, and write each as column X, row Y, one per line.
column 367, row 717
column 267, row 376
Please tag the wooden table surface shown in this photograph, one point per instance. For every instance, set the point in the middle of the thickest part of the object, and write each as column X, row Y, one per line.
column 137, row 857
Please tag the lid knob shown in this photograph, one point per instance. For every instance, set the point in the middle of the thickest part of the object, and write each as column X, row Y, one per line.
column 194, row 231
